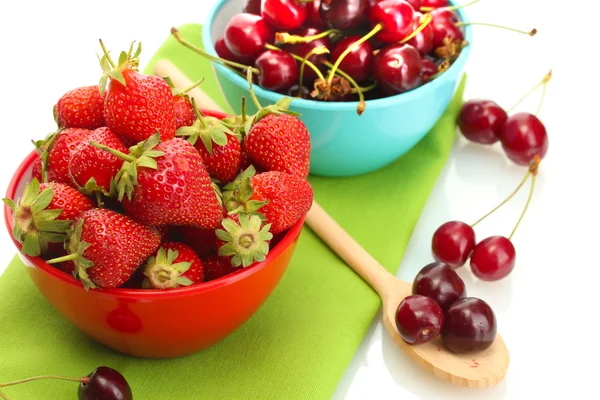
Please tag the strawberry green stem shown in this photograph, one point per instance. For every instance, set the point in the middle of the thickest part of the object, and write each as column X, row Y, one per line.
column 424, row 21
column 251, row 89
column 451, row 8
column 350, row 48
column 361, row 103
column 199, row 114
column 114, row 152
column 35, row 378
column 186, row 90
column 530, row 33
column 110, row 60
column 68, row 257
column 543, row 83
column 99, row 199
column 286, row 38
column 243, row 110
column 218, row 60
column 526, row 206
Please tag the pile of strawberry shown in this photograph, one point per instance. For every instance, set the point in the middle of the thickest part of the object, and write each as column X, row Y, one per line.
column 138, row 189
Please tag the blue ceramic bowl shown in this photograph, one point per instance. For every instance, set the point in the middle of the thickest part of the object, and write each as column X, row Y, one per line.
column 344, row 143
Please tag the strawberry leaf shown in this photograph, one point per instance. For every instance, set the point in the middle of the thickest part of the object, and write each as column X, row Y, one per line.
column 182, row 280
column 246, row 241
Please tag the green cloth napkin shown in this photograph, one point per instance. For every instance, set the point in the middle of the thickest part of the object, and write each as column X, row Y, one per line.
column 298, row 345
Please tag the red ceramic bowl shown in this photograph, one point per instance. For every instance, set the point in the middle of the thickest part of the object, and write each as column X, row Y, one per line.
column 154, row 323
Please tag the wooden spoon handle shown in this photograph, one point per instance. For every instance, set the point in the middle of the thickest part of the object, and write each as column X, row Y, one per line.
column 317, row 218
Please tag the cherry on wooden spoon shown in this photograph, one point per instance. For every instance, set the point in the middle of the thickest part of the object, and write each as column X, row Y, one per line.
column 476, row 369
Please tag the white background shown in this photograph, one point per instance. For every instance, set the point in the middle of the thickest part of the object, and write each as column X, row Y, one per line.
column 547, row 308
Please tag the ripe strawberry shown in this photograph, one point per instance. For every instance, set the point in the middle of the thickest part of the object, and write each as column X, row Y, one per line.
column 202, row 241
column 244, row 239
column 36, row 169
column 184, row 111
column 215, row 267
column 56, row 150
column 173, row 265
column 108, row 247
column 93, row 169
column 80, row 108
column 282, row 198
column 166, row 183
column 279, row 142
column 219, row 148
column 137, row 105
column 44, row 213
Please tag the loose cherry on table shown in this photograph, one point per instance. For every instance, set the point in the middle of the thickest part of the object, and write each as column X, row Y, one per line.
column 493, row 258
column 284, row 14
column 344, row 14
column 419, row 319
column 103, row 383
column 524, row 136
column 441, row 283
column 452, row 243
column 481, row 121
column 469, row 325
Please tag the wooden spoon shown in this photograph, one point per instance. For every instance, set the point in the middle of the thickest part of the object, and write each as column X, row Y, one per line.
column 480, row 370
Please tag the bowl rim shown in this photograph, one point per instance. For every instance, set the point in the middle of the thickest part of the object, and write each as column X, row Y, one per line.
column 139, row 294
column 271, row 96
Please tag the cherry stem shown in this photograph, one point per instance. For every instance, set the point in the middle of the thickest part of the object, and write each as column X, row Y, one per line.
column 316, row 50
column 530, row 33
column 186, row 90
column 351, row 48
column 218, row 60
column 198, row 114
column 284, row 37
column 526, row 206
column 114, row 152
column 35, row 378
column 543, row 82
column 110, row 60
column 68, row 257
column 3, row 396
column 450, row 8
column 298, row 58
column 424, row 21
column 251, row 89
column 365, row 89
column 361, row 103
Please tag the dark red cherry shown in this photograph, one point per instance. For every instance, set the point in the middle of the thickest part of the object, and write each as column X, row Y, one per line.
column 343, row 14
column 359, row 62
column 429, row 68
column 444, row 15
column 452, row 243
column 397, row 68
column 439, row 282
column 252, row 7
column 396, row 17
column 107, row 384
column 423, row 41
column 434, row 3
column 278, row 70
column 523, row 136
column 298, row 91
column 469, row 326
column 284, row 15
column 444, row 29
column 301, row 49
column 481, row 121
column 313, row 17
column 493, row 258
column 224, row 52
column 246, row 35
column 419, row 319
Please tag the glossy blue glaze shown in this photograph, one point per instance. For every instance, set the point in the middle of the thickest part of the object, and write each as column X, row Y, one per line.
column 342, row 142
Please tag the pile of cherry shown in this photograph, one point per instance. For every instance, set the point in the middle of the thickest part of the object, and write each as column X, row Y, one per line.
column 336, row 50
column 439, row 305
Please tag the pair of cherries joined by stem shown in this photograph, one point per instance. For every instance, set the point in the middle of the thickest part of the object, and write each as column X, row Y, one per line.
column 103, row 383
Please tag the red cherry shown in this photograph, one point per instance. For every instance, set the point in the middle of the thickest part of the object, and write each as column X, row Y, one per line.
column 444, row 29
column 359, row 62
column 313, row 16
column 246, row 35
column 252, row 7
column 523, row 137
column 469, row 326
column 278, row 70
column 416, row 4
column 429, row 68
column 452, row 243
column 105, row 383
column 419, row 319
column 481, row 121
column 301, row 49
column 423, row 41
column 435, row 3
column 441, row 283
column 493, row 258
column 444, row 15
column 224, row 52
column 398, row 68
column 284, row 15
column 343, row 14
column 396, row 18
